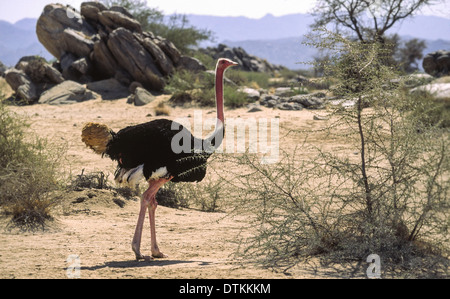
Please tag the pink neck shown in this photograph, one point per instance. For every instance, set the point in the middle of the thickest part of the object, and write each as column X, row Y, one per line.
column 215, row 139
column 219, row 94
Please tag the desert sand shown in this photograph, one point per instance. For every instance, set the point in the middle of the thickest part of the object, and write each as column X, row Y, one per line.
column 97, row 232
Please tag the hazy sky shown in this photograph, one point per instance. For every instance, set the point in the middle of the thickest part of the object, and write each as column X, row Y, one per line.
column 14, row 10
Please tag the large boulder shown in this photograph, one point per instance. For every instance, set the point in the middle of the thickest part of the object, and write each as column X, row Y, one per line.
column 68, row 92
column 109, row 89
column 438, row 90
column 61, row 29
column 22, row 85
column 133, row 57
column 162, row 61
column 105, row 64
column 252, row 94
column 140, row 97
column 437, row 63
column 191, row 64
column 90, row 10
column 168, row 48
column 39, row 71
column 114, row 19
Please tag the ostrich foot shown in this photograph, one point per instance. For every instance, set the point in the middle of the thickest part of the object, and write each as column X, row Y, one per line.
column 148, row 258
column 158, row 254
column 143, row 257
column 139, row 255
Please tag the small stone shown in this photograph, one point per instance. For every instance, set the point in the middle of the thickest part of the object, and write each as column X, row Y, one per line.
column 320, row 117
column 254, row 108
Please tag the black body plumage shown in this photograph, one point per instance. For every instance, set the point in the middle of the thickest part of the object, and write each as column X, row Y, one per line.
column 150, row 144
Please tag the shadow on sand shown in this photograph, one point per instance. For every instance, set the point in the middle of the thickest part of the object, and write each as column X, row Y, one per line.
column 140, row 264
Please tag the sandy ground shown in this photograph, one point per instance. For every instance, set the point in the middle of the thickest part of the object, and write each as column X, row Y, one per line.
column 95, row 233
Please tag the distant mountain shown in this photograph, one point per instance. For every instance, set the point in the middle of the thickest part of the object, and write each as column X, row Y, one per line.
column 277, row 39
column 291, row 53
column 271, row 27
column 18, row 40
column 424, row 27
column 242, row 28
column 27, row 24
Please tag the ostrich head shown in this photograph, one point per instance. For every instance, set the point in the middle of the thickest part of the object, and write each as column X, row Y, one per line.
column 224, row 63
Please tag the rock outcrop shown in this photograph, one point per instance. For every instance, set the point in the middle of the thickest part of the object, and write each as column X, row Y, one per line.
column 437, row 63
column 296, row 102
column 246, row 61
column 31, row 76
column 98, row 43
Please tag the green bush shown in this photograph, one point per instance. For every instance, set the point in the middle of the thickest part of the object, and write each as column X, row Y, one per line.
column 28, row 173
column 172, row 196
column 429, row 111
column 199, row 87
column 206, row 195
column 250, row 79
column 208, row 61
column 235, row 98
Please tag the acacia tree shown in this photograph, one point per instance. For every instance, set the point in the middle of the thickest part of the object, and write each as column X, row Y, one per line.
column 409, row 54
column 368, row 19
column 385, row 192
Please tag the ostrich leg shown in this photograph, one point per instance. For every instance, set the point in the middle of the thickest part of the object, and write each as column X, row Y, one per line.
column 148, row 201
column 136, row 243
column 151, row 215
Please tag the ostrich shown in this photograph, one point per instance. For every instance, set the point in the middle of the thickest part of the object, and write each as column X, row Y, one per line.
column 151, row 150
